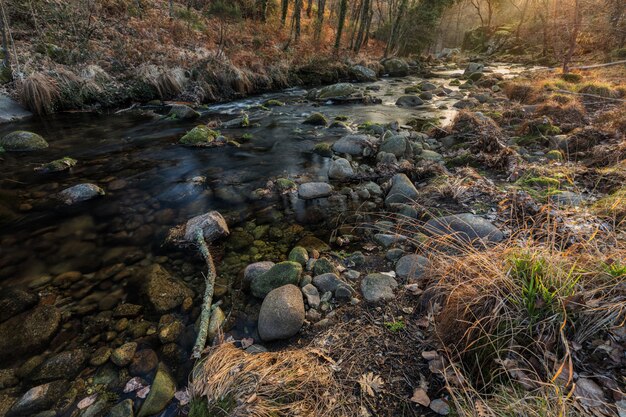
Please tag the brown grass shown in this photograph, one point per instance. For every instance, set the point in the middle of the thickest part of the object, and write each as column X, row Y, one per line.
column 572, row 112
column 523, row 92
column 38, row 92
column 288, row 383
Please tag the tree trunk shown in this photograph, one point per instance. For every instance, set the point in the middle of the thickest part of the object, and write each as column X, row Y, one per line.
column 263, row 6
column 319, row 24
column 365, row 12
column 343, row 9
column 309, row 9
column 573, row 38
column 391, row 42
column 6, row 63
column 297, row 12
column 284, row 7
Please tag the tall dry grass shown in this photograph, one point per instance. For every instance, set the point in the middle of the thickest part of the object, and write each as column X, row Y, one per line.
column 38, row 92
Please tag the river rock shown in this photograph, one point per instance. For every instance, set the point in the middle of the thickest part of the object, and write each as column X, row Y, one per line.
column 79, row 193
column 316, row 119
column 312, row 190
column 29, row 332
column 277, row 276
column 122, row 409
column 14, row 301
column 282, row 313
column 212, row 224
column 182, row 112
column 323, row 266
column 143, row 363
column 396, row 67
column 161, row 393
column 162, row 291
column 199, row 137
column 466, row 103
column 427, row 86
column 340, row 169
column 376, row 287
column 23, row 141
column 299, row 255
column 411, row 266
column 465, row 227
column 409, row 101
column 356, row 145
column 395, row 145
column 39, row 398
column 311, row 243
column 336, row 91
column 312, row 295
column 473, row 67
column 58, row 165
column 124, row 354
column 402, row 190
column 64, row 365
column 362, row 73
column 252, row 271
column 326, row 282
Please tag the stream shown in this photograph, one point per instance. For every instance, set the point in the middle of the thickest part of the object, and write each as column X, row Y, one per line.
column 85, row 260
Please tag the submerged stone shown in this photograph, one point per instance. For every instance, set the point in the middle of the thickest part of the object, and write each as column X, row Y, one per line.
column 79, row 193
column 316, row 119
column 29, row 332
column 161, row 393
column 58, row 165
column 336, row 91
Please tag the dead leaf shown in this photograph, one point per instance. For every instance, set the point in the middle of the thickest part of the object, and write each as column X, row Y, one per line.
column 143, row 393
column 420, row 396
column 371, row 384
column 182, row 396
column 87, row 401
column 429, row 355
column 133, row 384
column 247, row 342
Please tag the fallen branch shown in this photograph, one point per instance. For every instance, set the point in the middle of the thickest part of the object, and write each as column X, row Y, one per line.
column 591, row 95
column 585, row 67
column 207, row 310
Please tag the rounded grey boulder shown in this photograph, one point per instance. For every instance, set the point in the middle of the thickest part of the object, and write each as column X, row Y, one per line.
column 465, row 227
column 23, row 141
column 377, row 287
column 282, row 313
column 402, row 190
column 80, row 193
column 411, row 266
column 340, row 169
column 409, row 101
column 353, row 144
column 312, row 190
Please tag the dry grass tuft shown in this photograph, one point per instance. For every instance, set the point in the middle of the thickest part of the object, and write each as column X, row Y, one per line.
column 523, row 92
column 38, row 92
column 570, row 113
column 270, row 384
column 167, row 83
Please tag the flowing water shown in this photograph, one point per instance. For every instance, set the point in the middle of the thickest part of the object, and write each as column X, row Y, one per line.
column 153, row 184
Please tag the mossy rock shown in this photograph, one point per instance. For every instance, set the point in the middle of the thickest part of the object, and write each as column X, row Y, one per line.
column 273, row 103
column 58, row 165
column 23, row 141
column 555, row 155
column 455, row 83
column 283, row 273
column 316, row 119
column 414, row 89
column 161, row 393
column 6, row 76
column 545, row 182
column 341, row 118
column 284, row 184
column 323, row 149
column 299, row 255
column 199, row 136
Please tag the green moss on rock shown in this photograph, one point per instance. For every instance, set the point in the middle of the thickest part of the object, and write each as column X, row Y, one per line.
column 199, row 136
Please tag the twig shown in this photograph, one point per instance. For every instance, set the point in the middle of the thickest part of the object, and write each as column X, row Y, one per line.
column 207, row 308
column 591, row 95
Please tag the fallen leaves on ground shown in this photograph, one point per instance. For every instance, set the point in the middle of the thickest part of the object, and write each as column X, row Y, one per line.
column 371, row 384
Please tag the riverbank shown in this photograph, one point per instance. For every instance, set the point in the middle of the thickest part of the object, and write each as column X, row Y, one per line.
column 347, row 201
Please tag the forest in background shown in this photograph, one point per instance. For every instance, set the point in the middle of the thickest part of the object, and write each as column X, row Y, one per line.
column 65, row 55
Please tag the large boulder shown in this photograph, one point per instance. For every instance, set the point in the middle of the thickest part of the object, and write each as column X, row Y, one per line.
column 409, row 101
column 411, row 266
column 162, row 291
column 182, row 112
column 327, row 282
column 402, row 190
column 161, row 393
column 11, row 111
column 474, row 67
column 23, row 141
column 396, row 145
column 362, row 73
column 396, row 67
column 253, row 271
column 40, row 398
column 64, row 365
column 465, row 227
column 340, row 169
column 281, row 274
column 282, row 313
column 312, row 190
column 79, row 193
column 377, row 287
column 14, row 301
column 199, row 136
column 356, row 145
column 29, row 332
column 336, row 91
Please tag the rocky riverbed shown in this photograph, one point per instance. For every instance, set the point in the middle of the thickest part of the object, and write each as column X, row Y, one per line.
column 322, row 191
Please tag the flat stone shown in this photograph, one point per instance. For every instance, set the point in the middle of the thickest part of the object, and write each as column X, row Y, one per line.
column 14, row 301
column 411, row 266
column 465, row 227
column 122, row 409
column 163, row 292
column 79, row 193
column 326, row 282
column 64, row 365
column 39, row 398
column 312, row 295
column 282, row 313
column 312, row 190
column 376, row 287
column 355, row 145
column 388, row 240
column 409, row 101
column 402, row 190
column 28, row 332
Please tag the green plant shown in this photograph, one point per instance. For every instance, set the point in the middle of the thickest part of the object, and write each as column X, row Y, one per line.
column 395, row 326
column 615, row 269
column 246, row 137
